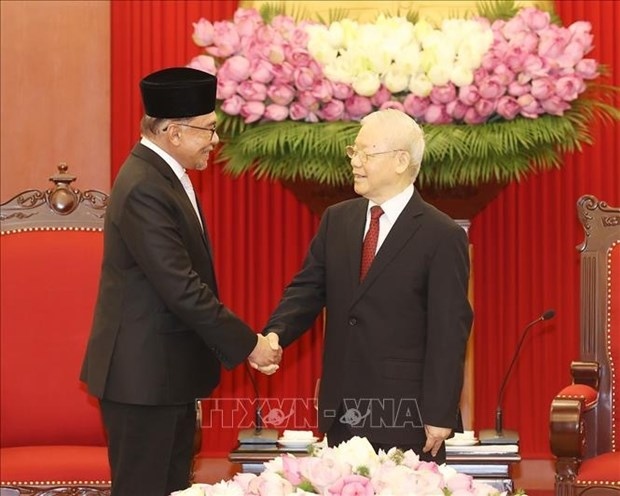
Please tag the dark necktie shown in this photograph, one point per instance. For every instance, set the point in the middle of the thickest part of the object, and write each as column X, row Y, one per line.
column 370, row 241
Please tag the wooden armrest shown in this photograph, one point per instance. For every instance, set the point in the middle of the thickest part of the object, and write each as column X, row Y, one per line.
column 585, row 373
column 566, row 427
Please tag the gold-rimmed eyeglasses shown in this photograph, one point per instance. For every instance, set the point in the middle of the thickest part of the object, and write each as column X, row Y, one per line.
column 362, row 155
column 211, row 129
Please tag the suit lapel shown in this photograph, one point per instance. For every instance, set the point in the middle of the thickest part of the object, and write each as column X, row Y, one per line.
column 408, row 222
column 166, row 171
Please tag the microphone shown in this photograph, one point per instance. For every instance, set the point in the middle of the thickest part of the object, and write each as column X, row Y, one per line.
column 499, row 435
column 258, row 435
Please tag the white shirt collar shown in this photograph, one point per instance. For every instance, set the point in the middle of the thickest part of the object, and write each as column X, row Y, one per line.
column 393, row 207
column 174, row 165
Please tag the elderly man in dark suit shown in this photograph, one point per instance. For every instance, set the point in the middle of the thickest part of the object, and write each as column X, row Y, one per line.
column 392, row 272
column 160, row 331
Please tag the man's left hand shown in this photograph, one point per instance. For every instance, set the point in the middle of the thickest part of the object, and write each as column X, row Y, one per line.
column 435, row 436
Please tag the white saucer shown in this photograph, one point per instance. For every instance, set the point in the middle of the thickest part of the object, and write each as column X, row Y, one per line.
column 455, row 441
column 297, row 443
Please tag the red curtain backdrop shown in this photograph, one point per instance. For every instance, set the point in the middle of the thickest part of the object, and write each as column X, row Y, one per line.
column 524, row 259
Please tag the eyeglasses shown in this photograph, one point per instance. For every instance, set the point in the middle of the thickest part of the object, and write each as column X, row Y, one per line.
column 211, row 129
column 362, row 155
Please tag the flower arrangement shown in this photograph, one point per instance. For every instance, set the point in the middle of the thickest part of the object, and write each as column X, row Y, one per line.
column 352, row 468
column 501, row 94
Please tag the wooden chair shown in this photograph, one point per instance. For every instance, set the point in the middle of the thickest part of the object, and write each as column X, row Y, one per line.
column 585, row 416
column 52, row 437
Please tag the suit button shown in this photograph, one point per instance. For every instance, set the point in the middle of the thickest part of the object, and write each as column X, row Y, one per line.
column 352, row 321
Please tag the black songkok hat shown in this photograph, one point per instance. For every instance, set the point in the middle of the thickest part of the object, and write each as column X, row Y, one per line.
column 178, row 92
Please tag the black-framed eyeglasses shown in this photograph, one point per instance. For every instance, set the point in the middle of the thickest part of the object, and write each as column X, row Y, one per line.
column 212, row 129
column 352, row 152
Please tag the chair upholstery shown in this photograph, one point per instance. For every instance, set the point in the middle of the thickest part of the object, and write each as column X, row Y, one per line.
column 51, row 433
column 585, row 416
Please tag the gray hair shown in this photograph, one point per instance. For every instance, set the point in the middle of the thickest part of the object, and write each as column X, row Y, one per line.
column 408, row 133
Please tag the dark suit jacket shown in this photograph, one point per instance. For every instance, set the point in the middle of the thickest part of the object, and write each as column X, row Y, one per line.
column 395, row 344
column 159, row 331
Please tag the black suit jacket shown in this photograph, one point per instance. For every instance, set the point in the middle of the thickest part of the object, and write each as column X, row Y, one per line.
column 159, row 331
column 395, row 344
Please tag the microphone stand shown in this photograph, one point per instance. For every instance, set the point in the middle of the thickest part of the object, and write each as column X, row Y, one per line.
column 258, row 435
column 499, row 435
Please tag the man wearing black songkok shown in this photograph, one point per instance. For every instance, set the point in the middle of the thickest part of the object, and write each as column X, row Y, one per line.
column 160, row 331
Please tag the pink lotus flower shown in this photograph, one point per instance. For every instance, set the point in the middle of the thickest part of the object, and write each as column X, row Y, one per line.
column 352, row 485
column 528, row 64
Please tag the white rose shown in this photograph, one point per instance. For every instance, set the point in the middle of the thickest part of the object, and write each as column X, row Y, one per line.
column 440, row 74
column 420, row 85
column 422, row 29
column 461, row 76
column 396, row 81
column 357, row 452
column 366, row 83
column 226, row 489
column 408, row 60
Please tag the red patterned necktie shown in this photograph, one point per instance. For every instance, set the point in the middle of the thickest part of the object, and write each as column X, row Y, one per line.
column 370, row 241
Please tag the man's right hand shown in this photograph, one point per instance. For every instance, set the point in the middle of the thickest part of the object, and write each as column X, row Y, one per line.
column 267, row 354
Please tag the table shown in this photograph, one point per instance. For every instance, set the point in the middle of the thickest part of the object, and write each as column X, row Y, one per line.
column 491, row 468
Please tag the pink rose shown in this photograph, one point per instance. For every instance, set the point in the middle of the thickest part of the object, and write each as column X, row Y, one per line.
column 352, row 485
column 283, row 73
column 283, row 23
column 553, row 41
column 380, row 97
column 534, row 18
column 491, row 88
column 473, row 117
column 554, row 105
column 303, row 78
column 392, row 104
column 332, row 111
column 416, row 106
column 291, row 468
column 342, row 91
column 358, row 106
column 580, row 32
column 226, row 88
column 275, row 112
column 542, row 88
column 569, row 87
column 226, row 39
column 436, row 114
column 459, row 482
column 513, row 27
column 299, row 57
column 203, row 63
column 232, row 105
column 324, row 472
column 252, row 111
column 508, row 107
column 308, row 100
column 281, row 94
column 529, row 106
column 516, row 89
column 203, row 32
column 587, row 68
column 298, row 112
column 322, row 90
column 469, row 94
column 236, row 68
column 261, row 71
column 456, row 109
column 270, row 484
column 443, row 94
column 247, row 21
column 573, row 53
column 251, row 90
column 504, row 75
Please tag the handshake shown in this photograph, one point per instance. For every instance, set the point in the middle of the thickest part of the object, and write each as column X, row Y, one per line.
column 267, row 353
